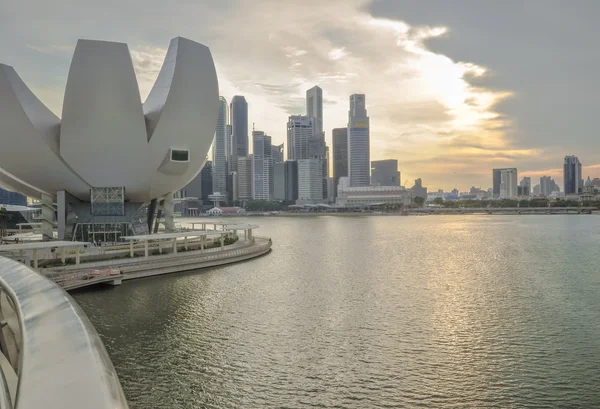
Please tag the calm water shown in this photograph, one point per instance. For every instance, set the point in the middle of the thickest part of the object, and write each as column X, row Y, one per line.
column 371, row 312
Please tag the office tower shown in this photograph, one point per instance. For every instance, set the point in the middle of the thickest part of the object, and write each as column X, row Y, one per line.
column 12, row 198
column 286, row 181
column 277, row 153
column 314, row 109
column 310, row 181
column 572, row 175
column 537, row 190
column 359, row 159
column 385, row 173
column 244, row 178
column 239, row 130
column 418, row 190
column 232, row 187
column 220, row 149
column 206, row 179
column 194, row 188
column 262, row 175
column 497, row 176
column 299, row 132
column 526, row 186
column 340, row 154
column 548, row 185
column 331, row 191
column 508, row 183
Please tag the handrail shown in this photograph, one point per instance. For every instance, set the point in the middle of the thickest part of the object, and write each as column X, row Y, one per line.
column 62, row 362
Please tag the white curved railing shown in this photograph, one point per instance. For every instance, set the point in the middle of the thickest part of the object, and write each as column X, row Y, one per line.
column 51, row 355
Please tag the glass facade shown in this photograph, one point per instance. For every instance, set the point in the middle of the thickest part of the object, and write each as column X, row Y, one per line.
column 107, row 201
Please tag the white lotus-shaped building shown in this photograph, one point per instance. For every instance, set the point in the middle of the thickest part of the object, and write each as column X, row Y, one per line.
column 107, row 138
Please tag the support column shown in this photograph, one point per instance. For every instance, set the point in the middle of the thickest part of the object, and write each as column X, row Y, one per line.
column 185, row 243
column 77, row 256
column 146, row 248
column 62, row 255
column 160, row 246
column 47, row 217
column 202, row 243
column 174, row 245
column 222, row 242
column 168, row 210
column 131, row 248
column 35, row 258
column 61, row 213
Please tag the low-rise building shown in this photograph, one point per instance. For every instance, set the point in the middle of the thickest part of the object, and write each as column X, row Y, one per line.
column 372, row 195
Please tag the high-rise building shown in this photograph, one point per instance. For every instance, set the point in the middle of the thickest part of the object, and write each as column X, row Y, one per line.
column 286, row 181
column 418, row 190
column 359, row 157
column 310, row 181
column 508, row 183
column 340, row 154
column 220, row 149
column 12, row 198
column 232, row 187
column 244, row 178
column 537, row 190
column 299, row 132
column 194, row 188
column 385, row 173
column 572, row 175
column 497, row 174
column 239, row 130
column 277, row 153
column 548, row 185
column 314, row 109
column 526, row 186
column 262, row 175
column 206, row 181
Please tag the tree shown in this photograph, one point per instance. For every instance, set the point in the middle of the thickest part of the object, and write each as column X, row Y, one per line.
column 419, row 201
column 438, row 201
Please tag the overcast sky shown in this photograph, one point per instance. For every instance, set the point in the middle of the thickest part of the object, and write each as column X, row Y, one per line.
column 453, row 88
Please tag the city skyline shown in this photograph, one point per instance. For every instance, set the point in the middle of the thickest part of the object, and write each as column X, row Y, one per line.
column 438, row 96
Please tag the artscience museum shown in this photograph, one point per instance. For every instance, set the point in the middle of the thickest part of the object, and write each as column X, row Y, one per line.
column 111, row 164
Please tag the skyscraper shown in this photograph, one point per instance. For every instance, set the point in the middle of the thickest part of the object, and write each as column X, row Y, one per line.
column 385, row 173
column 239, row 130
column 359, row 157
column 548, row 185
column 310, row 181
column 286, row 181
column 244, row 178
column 497, row 175
column 277, row 153
column 526, row 186
column 572, row 175
column 508, row 183
column 340, row 154
column 299, row 131
column 206, row 181
column 220, row 151
column 262, row 175
column 314, row 109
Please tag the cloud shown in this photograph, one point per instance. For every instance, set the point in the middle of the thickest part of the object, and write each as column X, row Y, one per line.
column 52, row 48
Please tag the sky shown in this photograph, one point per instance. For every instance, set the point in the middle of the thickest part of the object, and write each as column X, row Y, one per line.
column 453, row 88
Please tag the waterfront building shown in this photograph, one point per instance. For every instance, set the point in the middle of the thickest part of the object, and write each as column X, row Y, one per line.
column 310, row 181
column 537, row 190
column 262, row 168
column 232, row 187
column 385, row 173
column 340, row 154
column 314, row 109
column 548, row 186
column 508, row 183
column 330, row 197
column 238, row 146
column 244, row 178
column 12, row 198
column 359, row 156
column 572, row 175
column 373, row 195
column 286, row 181
column 110, row 157
column 206, row 181
column 220, row 149
column 277, row 153
column 299, row 132
column 418, row 190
